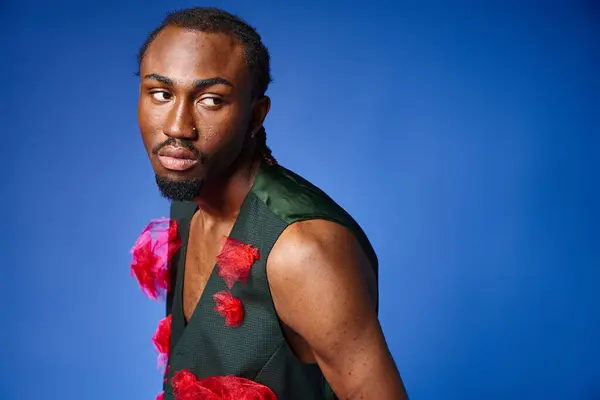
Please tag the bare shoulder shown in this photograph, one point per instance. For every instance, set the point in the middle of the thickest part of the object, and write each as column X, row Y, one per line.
column 323, row 288
column 319, row 250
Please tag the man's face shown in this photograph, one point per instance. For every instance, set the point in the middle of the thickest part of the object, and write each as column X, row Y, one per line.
column 194, row 109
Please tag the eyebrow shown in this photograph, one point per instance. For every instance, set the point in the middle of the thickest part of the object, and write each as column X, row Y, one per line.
column 198, row 84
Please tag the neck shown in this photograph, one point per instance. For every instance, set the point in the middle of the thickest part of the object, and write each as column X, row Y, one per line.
column 222, row 199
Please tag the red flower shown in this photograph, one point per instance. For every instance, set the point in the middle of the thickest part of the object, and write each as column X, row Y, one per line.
column 151, row 255
column 161, row 396
column 235, row 260
column 187, row 387
column 162, row 340
column 230, row 307
column 143, row 265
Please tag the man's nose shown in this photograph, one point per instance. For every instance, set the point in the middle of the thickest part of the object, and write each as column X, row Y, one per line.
column 180, row 122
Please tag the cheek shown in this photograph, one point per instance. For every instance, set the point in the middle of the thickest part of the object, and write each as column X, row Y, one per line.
column 215, row 140
column 150, row 123
column 222, row 129
column 222, row 141
column 149, row 137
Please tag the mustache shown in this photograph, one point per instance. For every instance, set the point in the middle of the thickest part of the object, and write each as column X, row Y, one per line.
column 186, row 144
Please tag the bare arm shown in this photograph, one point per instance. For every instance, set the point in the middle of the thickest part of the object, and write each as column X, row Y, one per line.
column 319, row 279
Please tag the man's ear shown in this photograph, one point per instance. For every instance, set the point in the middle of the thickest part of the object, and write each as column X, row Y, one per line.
column 260, row 109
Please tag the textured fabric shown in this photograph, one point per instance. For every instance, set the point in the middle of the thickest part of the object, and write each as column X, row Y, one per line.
column 256, row 349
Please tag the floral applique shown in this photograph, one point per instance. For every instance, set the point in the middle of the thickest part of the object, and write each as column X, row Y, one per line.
column 162, row 340
column 151, row 255
column 229, row 307
column 187, row 387
column 235, row 260
column 234, row 263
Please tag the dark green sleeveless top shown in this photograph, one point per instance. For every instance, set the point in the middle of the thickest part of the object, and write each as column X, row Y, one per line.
column 257, row 349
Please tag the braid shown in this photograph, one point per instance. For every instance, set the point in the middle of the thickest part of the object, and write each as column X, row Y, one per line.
column 262, row 148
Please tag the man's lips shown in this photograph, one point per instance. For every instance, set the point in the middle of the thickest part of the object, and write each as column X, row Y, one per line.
column 177, row 158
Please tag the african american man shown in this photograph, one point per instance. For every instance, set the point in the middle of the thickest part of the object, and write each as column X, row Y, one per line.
column 310, row 327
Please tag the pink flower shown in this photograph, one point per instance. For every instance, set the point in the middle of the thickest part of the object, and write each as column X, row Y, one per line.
column 151, row 255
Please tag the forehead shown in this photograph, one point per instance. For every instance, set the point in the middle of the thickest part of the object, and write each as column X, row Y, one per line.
column 185, row 55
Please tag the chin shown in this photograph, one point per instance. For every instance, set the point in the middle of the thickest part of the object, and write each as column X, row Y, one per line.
column 179, row 187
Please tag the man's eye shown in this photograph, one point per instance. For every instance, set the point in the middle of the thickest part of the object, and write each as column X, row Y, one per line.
column 211, row 101
column 161, row 96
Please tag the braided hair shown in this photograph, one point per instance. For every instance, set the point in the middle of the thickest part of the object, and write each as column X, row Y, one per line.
column 262, row 148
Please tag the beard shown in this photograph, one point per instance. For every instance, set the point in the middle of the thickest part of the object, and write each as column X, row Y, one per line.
column 179, row 190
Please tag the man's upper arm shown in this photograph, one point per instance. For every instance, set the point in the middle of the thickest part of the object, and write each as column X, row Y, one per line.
column 319, row 280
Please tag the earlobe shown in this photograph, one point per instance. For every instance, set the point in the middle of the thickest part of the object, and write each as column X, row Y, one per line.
column 259, row 113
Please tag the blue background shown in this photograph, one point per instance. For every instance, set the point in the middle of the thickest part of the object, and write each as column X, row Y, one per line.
column 463, row 138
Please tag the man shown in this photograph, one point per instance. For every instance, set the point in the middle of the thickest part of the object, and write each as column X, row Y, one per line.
column 308, row 308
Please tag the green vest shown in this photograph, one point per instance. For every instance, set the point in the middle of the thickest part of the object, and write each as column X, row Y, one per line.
column 257, row 349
